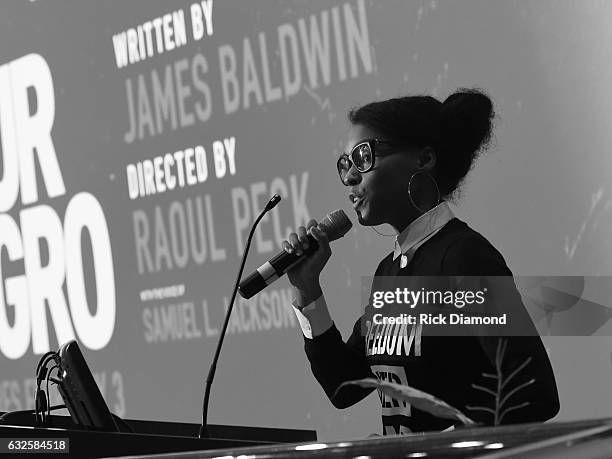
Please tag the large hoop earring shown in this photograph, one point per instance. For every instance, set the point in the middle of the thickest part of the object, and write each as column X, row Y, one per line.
column 410, row 189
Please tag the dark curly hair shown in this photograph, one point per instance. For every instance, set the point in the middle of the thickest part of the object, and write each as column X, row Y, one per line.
column 458, row 129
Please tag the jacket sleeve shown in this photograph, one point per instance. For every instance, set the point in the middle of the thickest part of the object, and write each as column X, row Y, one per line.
column 516, row 367
column 333, row 362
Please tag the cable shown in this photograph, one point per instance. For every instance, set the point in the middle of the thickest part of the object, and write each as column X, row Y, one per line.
column 54, row 367
column 382, row 234
column 42, row 407
column 10, row 414
column 41, row 373
column 44, row 359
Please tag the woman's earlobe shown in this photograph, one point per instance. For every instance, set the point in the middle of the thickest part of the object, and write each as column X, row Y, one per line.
column 427, row 159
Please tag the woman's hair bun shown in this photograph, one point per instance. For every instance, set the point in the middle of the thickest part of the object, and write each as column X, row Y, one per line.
column 466, row 123
column 467, row 120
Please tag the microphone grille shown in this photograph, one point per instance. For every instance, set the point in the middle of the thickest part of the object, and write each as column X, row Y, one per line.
column 336, row 224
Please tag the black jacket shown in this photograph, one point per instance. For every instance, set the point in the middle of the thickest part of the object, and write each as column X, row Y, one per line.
column 472, row 373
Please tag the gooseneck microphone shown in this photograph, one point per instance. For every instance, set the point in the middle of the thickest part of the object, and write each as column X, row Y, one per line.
column 336, row 224
column 203, row 433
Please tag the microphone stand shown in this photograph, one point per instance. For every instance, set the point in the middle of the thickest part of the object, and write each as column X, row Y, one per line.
column 203, row 433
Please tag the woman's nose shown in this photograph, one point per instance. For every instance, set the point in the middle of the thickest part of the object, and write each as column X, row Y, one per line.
column 353, row 176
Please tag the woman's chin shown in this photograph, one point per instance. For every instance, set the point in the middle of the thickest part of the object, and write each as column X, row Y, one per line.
column 361, row 218
column 364, row 218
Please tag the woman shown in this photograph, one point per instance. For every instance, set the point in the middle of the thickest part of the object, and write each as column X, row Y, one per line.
column 404, row 157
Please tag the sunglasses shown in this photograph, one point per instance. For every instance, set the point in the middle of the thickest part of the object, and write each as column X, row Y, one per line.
column 362, row 156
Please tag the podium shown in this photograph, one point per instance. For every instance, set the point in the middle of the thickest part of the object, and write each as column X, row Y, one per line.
column 589, row 439
column 148, row 437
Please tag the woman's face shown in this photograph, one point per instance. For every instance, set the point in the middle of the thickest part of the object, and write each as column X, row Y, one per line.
column 381, row 194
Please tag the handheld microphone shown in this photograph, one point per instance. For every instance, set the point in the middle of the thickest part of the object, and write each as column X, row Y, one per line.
column 336, row 224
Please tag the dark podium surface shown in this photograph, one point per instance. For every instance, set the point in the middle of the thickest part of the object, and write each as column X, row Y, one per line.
column 576, row 440
column 590, row 439
column 149, row 437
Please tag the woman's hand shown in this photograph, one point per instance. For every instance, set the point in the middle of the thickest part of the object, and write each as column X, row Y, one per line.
column 304, row 277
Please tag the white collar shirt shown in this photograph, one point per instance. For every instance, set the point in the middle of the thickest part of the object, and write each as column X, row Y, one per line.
column 420, row 231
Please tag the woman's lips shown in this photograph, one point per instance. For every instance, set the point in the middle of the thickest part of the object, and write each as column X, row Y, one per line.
column 356, row 200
